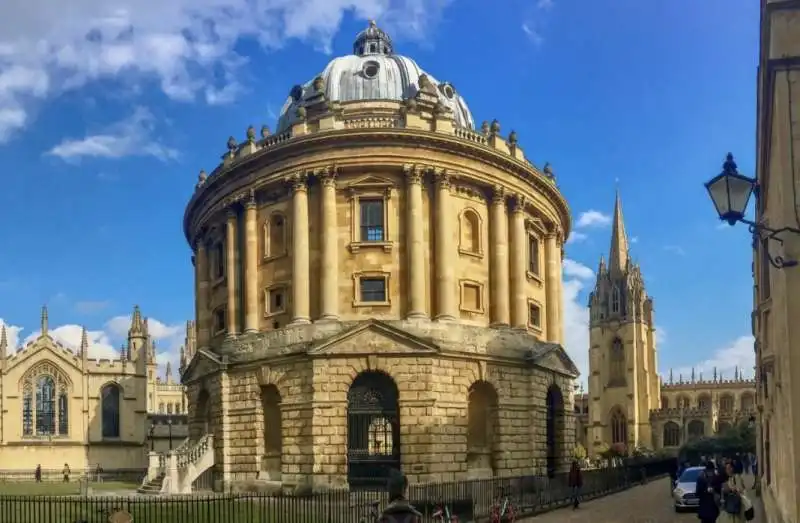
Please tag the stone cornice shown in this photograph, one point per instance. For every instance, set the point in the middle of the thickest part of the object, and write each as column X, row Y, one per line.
column 232, row 183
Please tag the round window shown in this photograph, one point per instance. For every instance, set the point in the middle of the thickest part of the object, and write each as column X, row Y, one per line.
column 370, row 69
column 449, row 91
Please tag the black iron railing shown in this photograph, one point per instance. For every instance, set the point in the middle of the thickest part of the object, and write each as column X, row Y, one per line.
column 466, row 499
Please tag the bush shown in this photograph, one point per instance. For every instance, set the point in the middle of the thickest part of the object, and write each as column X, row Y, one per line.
column 579, row 452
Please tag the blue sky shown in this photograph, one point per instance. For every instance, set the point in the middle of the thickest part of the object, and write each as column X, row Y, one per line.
column 107, row 113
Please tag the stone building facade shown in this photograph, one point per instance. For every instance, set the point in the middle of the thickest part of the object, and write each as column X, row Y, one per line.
column 776, row 292
column 59, row 406
column 378, row 286
column 628, row 403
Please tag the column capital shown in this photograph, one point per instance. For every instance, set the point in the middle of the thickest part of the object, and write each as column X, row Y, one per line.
column 443, row 178
column 250, row 200
column 518, row 203
column 327, row 175
column 415, row 175
column 498, row 195
column 230, row 212
column 298, row 182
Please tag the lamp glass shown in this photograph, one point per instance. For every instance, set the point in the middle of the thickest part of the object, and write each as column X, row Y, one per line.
column 730, row 193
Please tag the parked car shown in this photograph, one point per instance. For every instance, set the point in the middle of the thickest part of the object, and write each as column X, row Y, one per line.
column 684, row 494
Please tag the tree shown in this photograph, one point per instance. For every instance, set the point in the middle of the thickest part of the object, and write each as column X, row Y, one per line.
column 579, row 452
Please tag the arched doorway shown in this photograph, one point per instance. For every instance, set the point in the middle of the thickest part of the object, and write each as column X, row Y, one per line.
column 272, row 461
column 481, row 428
column 202, row 415
column 672, row 434
column 696, row 429
column 373, row 429
column 554, row 429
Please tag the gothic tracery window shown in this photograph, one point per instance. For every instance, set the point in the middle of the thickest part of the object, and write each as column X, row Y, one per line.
column 619, row 427
column 616, row 367
column 615, row 300
column 45, row 402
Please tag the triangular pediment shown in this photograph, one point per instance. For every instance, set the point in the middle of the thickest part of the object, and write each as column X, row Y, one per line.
column 43, row 348
column 374, row 337
column 371, row 181
column 555, row 358
column 203, row 363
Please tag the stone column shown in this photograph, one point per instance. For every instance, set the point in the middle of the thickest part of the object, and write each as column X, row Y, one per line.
column 230, row 267
column 300, row 251
column 519, row 279
column 416, row 244
column 560, row 282
column 251, row 266
column 330, row 247
column 499, row 259
column 551, row 287
column 445, row 278
column 201, row 292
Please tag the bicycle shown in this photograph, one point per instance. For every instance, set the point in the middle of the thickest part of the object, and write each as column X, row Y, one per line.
column 503, row 510
column 369, row 512
column 442, row 514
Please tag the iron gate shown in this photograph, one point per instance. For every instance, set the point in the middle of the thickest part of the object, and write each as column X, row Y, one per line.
column 373, row 430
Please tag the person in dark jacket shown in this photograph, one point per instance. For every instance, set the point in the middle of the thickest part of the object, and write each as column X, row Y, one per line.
column 706, row 489
column 575, row 484
column 399, row 509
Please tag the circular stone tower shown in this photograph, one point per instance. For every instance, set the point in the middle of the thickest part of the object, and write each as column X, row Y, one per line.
column 378, row 286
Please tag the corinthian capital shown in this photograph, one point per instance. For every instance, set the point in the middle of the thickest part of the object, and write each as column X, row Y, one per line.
column 415, row 175
column 327, row 175
column 498, row 195
column 298, row 182
column 250, row 200
column 444, row 179
column 518, row 203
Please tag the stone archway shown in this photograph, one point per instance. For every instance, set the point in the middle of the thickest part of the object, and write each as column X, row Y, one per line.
column 554, row 431
column 202, row 414
column 696, row 429
column 481, row 429
column 373, row 429
column 272, row 461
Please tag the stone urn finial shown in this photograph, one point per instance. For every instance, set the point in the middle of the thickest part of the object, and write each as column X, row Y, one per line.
column 232, row 144
column 251, row 134
column 301, row 113
column 495, row 128
column 201, row 178
column 548, row 171
column 319, row 84
column 265, row 132
column 485, row 128
column 512, row 138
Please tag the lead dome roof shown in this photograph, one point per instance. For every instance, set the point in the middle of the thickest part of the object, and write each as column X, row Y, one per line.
column 373, row 72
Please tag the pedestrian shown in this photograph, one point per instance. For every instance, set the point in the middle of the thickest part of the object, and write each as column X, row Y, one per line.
column 755, row 471
column 733, row 506
column 399, row 509
column 575, row 484
column 38, row 474
column 66, row 472
column 708, row 505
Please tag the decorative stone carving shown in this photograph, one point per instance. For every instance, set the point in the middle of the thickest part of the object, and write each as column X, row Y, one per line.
column 443, row 179
column 415, row 175
column 327, row 176
column 250, row 202
column 265, row 132
column 232, row 144
column 298, row 182
column 498, row 194
column 251, row 134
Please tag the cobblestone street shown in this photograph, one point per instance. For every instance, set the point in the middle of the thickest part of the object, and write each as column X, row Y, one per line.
column 650, row 503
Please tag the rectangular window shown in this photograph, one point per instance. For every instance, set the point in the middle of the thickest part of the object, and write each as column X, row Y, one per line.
column 372, row 220
column 219, row 261
column 373, row 290
column 533, row 254
column 219, row 320
column 277, row 301
column 472, row 297
column 534, row 315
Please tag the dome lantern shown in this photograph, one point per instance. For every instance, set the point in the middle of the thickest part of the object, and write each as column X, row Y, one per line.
column 372, row 41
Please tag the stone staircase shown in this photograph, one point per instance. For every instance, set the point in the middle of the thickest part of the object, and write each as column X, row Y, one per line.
column 153, row 486
column 176, row 471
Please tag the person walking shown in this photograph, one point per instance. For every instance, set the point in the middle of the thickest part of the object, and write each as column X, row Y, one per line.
column 575, row 483
column 754, row 465
column 399, row 509
column 733, row 507
column 66, row 472
column 38, row 474
column 706, row 489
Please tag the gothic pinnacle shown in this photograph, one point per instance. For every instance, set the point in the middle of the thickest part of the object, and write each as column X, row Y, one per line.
column 44, row 321
column 84, row 343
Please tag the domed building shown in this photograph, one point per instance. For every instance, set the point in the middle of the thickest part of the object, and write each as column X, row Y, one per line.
column 378, row 287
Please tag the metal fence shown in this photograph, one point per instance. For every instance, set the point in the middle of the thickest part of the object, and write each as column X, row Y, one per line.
column 57, row 475
column 468, row 500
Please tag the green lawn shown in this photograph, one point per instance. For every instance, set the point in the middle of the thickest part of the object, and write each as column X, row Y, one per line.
column 60, row 489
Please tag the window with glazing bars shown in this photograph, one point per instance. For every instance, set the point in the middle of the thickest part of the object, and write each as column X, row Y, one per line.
column 373, row 289
column 372, row 226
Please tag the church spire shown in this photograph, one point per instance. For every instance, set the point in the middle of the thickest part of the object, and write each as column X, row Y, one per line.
column 618, row 257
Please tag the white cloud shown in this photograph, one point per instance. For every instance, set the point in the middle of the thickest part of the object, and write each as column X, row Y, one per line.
column 105, row 343
column 576, row 314
column 129, row 137
column 592, row 218
column 576, row 237
column 675, row 249
column 738, row 353
column 634, row 239
column 188, row 47
column 532, row 34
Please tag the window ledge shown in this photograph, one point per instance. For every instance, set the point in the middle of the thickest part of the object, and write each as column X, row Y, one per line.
column 357, row 303
column 535, row 328
column 472, row 310
column 474, row 254
column 274, row 313
column 535, row 277
column 357, row 246
column 273, row 257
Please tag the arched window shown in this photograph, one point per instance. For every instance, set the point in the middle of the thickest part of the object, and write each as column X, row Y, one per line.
column 161, row 408
column 704, row 402
column 726, row 404
column 275, row 235
column 470, row 232
column 63, row 413
column 45, row 406
column 169, row 408
column 619, row 427
column 27, row 411
column 672, row 434
column 109, row 398
column 664, row 402
column 616, row 367
column 615, row 299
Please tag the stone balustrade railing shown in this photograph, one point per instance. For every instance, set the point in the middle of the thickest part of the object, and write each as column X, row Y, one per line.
column 191, row 455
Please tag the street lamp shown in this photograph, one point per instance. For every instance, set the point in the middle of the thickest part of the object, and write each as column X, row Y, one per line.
column 730, row 192
column 169, row 423
column 152, row 436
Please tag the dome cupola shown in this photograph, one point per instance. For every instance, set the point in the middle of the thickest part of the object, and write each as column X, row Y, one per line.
column 372, row 40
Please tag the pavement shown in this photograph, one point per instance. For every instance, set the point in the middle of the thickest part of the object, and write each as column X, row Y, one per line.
column 650, row 503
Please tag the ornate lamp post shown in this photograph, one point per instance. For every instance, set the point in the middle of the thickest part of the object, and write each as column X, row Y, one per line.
column 730, row 191
column 152, row 435
column 169, row 423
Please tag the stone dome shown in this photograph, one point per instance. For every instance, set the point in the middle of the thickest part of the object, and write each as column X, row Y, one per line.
column 373, row 72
